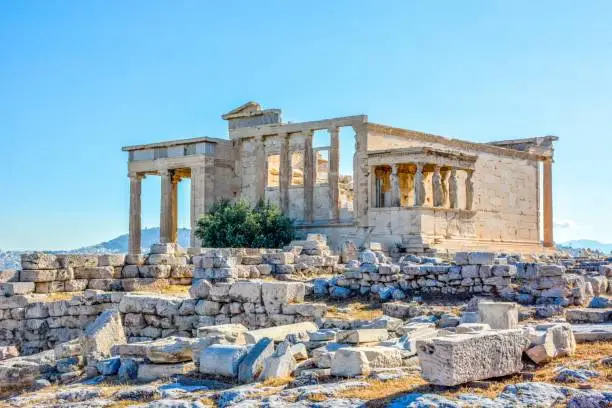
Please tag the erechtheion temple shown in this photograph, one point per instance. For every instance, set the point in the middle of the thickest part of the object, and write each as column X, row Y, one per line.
column 407, row 188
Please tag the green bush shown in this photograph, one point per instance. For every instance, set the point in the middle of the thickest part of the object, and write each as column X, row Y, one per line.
column 238, row 225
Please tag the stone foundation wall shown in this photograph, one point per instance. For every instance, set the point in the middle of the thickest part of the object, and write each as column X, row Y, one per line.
column 33, row 324
column 470, row 274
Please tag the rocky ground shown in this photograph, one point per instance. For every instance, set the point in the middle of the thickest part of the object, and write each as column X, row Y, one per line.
column 579, row 380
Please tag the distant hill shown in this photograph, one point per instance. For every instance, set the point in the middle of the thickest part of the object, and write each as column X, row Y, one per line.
column 150, row 236
column 119, row 244
column 588, row 243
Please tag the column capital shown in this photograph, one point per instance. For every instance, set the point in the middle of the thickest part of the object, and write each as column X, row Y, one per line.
column 394, row 168
column 136, row 176
column 334, row 130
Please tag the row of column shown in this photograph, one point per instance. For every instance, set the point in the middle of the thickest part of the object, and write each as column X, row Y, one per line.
column 168, row 214
column 309, row 172
column 445, row 187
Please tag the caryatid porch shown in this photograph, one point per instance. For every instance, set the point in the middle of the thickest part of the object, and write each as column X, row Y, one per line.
column 421, row 177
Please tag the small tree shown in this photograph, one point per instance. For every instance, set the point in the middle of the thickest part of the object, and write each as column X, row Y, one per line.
column 238, row 225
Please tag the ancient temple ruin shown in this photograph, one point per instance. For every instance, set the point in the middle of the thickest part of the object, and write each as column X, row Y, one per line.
column 409, row 189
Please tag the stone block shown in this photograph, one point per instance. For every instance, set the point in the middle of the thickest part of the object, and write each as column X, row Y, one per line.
column 130, row 271
column 545, row 270
column 360, row 336
column 97, row 272
column 252, row 364
column 462, row 358
column 233, row 333
column 182, row 271
column 76, row 285
column 105, row 284
column 586, row 315
column 17, row 288
column 39, row 260
column 170, row 350
column 154, row 271
column 135, row 284
column 350, row 362
column 101, row 335
column 383, row 357
column 200, row 289
column 134, row 259
column 164, row 249
column 279, row 258
column 280, row 364
column 38, row 275
column 314, row 310
column 9, row 275
column 49, row 287
column 465, row 328
column 279, row 333
column 470, row 271
column 481, row 258
column 110, row 366
column 219, row 292
column 499, row 315
column 222, row 359
column 152, row 372
column 111, row 260
column 276, row 294
column 246, row 291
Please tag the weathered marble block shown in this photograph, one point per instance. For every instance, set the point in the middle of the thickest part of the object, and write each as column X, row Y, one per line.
column 462, row 358
column 499, row 315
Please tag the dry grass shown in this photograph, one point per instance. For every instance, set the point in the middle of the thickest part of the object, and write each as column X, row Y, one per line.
column 356, row 311
column 317, row 397
column 164, row 288
column 590, row 354
column 208, row 402
column 57, row 296
column 277, row 382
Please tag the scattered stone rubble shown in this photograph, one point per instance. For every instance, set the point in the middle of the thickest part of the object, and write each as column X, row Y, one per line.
column 248, row 318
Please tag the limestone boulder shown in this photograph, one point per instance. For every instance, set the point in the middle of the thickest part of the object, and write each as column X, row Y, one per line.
column 462, row 358
column 200, row 289
column 277, row 294
column 252, row 364
column 232, row 332
column 382, row 357
column 101, row 335
column 171, row 350
column 350, row 362
column 279, row 333
column 360, row 336
column 280, row 364
column 222, row 359
column 152, row 372
column 499, row 315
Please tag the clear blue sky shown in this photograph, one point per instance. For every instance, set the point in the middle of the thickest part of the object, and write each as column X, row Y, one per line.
column 78, row 80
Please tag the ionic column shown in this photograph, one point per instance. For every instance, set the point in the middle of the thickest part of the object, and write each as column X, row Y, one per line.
column 285, row 172
column 436, row 183
column 174, row 195
column 395, row 188
column 262, row 175
column 452, row 189
column 166, row 208
column 469, row 190
column 309, row 178
column 333, row 173
column 134, row 240
column 548, row 209
column 419, row 186
column 445, row 193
